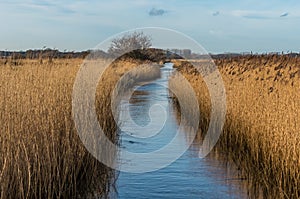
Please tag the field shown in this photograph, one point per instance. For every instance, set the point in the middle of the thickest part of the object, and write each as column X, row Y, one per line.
column 261, row 134
column 41, row 155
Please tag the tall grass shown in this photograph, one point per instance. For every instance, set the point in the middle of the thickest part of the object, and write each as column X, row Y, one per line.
column 41, row 155
column 262, row 128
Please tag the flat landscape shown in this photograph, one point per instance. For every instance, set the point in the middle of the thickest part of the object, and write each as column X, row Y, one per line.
column 42, row 155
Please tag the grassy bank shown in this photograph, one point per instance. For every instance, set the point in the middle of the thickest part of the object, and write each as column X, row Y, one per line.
column 262, row 128
column 41, row 155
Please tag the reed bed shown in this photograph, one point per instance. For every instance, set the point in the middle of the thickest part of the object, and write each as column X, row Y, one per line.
column 41, row 155
column 262, row 128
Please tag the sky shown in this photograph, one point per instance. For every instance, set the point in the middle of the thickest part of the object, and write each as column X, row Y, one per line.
column 217, row 25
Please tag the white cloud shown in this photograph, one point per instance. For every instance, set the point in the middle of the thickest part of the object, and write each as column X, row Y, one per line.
column 263, row 14
column 157, row 12
column 216, row 13
column 93, row 20
column 216, row 32
column 284, row 14
column 254, row 14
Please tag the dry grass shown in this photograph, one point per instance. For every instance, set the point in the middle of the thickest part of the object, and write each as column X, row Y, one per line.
column 262, row 129
column 41, row 155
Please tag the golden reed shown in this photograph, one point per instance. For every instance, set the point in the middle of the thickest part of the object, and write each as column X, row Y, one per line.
column 41, row 155
column 262, row 128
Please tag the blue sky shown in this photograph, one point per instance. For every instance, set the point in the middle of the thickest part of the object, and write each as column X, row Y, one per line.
column 219, row 26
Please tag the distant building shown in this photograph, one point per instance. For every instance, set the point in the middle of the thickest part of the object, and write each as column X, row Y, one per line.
column 186, row 53
column 246, row 53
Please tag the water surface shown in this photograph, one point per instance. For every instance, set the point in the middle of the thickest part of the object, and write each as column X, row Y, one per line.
column 187, row 177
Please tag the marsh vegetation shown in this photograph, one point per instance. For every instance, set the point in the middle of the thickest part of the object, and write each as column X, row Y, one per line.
column 261, row 132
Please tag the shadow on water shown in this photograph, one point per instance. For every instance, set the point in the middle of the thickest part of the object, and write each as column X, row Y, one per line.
column 187, row 177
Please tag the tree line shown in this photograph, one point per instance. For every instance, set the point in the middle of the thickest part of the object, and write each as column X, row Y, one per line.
column 135, row 45
column 49, row 53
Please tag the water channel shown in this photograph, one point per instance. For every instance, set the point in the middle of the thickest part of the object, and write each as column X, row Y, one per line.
column 187, row 177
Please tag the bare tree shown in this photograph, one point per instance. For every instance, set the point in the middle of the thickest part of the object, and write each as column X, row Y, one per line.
column 128, row 43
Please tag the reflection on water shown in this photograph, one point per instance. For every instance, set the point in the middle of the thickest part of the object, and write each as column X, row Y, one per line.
column 139, row 96
column 187, row 177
